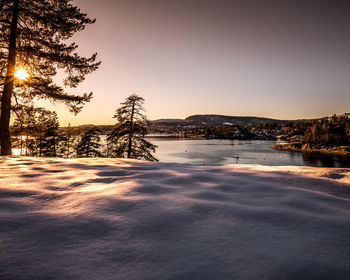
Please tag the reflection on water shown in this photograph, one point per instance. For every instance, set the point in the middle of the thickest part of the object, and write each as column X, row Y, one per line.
column 198, row 151
column 316, row 159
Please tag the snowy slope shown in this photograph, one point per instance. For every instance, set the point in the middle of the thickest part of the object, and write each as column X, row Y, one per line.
column 124, row 219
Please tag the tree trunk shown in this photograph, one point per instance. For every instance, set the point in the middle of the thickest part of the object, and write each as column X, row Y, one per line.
column 27, row 145
column 40, row 146
column 54, row 145
column 8, row 87
column 131, row 129
column 20, row 134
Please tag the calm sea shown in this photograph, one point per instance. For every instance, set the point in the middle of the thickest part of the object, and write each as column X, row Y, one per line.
column 198, row 151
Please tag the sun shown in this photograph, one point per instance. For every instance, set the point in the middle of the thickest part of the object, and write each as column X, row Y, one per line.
column 21, row 74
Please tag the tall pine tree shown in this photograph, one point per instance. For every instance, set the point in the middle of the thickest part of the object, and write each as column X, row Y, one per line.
column 33, row 36
column 128, row 136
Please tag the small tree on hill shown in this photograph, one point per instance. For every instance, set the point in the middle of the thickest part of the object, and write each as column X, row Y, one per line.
column 89, row 145
column 128, row 136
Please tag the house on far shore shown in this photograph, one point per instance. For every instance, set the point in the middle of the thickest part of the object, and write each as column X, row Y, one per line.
column 345, row 116
column 334, row 117
column 296, row 138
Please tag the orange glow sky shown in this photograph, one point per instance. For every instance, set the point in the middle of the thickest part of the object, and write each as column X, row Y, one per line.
column 279, row 59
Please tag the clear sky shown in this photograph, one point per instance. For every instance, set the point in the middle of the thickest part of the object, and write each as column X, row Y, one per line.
column 279, row 59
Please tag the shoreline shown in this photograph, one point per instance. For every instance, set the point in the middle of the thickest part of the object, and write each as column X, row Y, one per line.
column 298, row 147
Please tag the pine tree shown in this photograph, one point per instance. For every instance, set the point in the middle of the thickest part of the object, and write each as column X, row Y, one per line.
column 128, row 136
column 67, row 142
column 33, row 36
column 89, row 145
column 49, row 136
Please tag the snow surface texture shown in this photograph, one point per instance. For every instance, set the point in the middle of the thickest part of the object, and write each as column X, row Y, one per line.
column 126, row 219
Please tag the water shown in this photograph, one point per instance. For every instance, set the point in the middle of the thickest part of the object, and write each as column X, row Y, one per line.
column 212, row 152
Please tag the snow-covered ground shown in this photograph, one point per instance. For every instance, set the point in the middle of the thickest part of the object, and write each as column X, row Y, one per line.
column 126, row 219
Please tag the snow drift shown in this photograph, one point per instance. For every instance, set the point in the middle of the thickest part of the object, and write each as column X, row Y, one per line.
column 127, row 219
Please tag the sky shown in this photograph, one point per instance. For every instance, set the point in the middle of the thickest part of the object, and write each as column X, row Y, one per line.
column 278, row 59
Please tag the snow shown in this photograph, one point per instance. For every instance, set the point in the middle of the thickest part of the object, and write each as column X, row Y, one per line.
column 127, row 219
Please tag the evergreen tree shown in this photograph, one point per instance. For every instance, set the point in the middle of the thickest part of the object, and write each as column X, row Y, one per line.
column 33, row 36
column 89, row 145
column 128, row 136
column 67, row 142
column 49, row 136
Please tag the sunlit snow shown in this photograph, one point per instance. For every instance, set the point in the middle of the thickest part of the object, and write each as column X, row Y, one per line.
column 128, row 219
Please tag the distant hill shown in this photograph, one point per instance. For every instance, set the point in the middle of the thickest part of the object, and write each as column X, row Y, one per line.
column 216, row 120
column 168, row 120
column 201, row 121
column 227, row 120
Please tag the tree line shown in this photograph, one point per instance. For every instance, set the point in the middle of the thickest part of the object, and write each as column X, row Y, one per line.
column 333, row 131
column 328, row 131
column 36, row 132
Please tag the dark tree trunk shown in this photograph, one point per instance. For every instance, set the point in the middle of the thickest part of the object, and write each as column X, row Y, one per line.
column 8, row 87
column 131, row 129
column 21, row 129
column 40, row 146
column 27, row 145
column 54, row 145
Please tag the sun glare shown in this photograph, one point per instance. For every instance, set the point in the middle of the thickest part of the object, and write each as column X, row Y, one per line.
column 21, row 74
